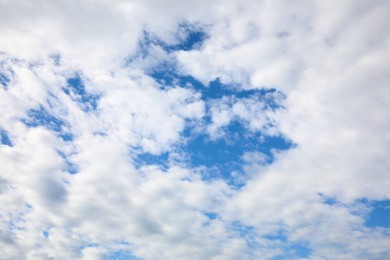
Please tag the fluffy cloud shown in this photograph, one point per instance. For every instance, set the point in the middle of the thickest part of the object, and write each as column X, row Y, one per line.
column 88, row 88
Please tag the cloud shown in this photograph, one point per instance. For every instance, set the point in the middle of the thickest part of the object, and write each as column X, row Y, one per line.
column 265, row 125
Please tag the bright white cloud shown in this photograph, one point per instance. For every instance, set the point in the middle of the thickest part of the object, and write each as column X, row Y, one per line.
column 70, row 184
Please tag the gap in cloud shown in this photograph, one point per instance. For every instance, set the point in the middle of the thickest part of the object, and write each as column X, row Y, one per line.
column 18, row 219
column 87, row 245
column 210, row 215
column 290, row 250
column 189, row 37
column 121, row 250
column 222, row 156
column 45, row 234
column 15, row 225
column 248, row 233
column 121, row 255
column 4, row 81
column 70, row 166
column 168, row 77
column 269, row 96
column 6, row 74
column 279, row 236
column 379, row 215
column 241, row 229
column 41, row 117
column 329, row 200
column 75, row 89
column 90, row 245
column 280, row 240
column 56, row 58
column 216, row 89
column 299, row 250
column 155, row 53
column 4, row 138
column 144, row 159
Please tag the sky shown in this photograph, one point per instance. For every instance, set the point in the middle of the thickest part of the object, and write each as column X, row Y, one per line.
column 194, row 129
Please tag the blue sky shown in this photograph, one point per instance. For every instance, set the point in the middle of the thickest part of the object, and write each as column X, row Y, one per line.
column 210, row 130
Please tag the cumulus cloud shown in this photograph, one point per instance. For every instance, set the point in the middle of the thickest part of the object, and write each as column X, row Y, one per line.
column 289, row 99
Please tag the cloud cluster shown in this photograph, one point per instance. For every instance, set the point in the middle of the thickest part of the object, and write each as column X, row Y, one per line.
column 87, row 88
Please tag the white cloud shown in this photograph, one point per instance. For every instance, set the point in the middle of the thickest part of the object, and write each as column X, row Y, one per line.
column 331, row 61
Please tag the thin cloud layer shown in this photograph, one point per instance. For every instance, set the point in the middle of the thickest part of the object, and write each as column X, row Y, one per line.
column 208, row 130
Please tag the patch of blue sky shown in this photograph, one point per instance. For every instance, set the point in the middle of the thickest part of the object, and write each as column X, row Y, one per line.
column 56, row 59
column 189, row 38
column 246, row 232
column 279, row 236
column 210, row 215
column 376, row 213
column 379, row 215
column 290, row 249
column 82, row 247
column 4, row 138
column 169, row 77
column 4, row 80
column 66, row 136
column 6, row 75
column 88, row 245
column 143, row 159
column 193, row 38
column 253, row 239
column 76, row 90
column 216, row 89
column 223, row 155
column 45, row 234
column 294, row 251
column 226, row 153
column 41, row 117
column 121, row 255
column 16, row 223
column 71, row 167
column 241, row 229
column 14, row 227
column 53, row 105
column 300, row 250
column 329, row 200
